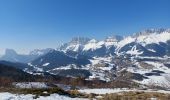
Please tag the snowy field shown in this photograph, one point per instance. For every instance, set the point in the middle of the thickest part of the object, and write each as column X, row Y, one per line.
column 30, row 85
column 118, row 90
column 9, row 96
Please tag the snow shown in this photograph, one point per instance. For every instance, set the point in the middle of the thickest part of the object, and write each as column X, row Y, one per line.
column 38, row 69
column 125, row 41
column 157, row 81
column 151, row 50
column 58, row 97
column 92, row 45
column 145, row 39
column 137, row 70
column 106, row 68
column 162, row 80
column 110, row 41
column 74, row 47
column 46, row 64
column 153, row 99
column 154, row 38
column 156, row 58
column 142, row 39
column 155, row 64
column 159, row 66
column 30, row 64
column 97, row 60
column 30, row 85
column 33, row 73
column 35, row 68
column 134, row 51
column 101, row 91
column 116, row 90
column 9, row 96
column 70, row 66
column 98, row 71
column 99, row 75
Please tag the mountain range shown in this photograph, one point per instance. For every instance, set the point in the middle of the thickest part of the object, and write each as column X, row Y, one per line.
column 143, row 57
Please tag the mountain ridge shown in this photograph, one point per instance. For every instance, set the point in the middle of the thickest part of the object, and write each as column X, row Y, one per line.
column 141, row 58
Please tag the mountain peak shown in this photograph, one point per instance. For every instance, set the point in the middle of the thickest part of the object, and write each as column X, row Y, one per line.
column 115, row 38
column 10, row 52
column 79, row 40
column 76, row 44
column 151, row 31
column 40, row 51
column 93, row 41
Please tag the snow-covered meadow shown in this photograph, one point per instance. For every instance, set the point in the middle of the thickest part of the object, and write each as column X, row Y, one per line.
column 9, row 96
column 30, row 85
column 118, row 90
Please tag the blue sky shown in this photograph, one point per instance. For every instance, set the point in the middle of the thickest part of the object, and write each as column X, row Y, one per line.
column 29, row 24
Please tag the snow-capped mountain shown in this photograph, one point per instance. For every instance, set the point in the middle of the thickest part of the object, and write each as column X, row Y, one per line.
column 149, row 43
column 143, row 56
column 55, row 59
column 40, row 52
column 85, row 44
column 76, row 44
column 12, row 56
column 101, row 48
column 91, row 47
column 109, row 41
column 148, row 37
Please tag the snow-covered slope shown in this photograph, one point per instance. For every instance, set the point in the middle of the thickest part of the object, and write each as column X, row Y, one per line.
column 92, row 45
column 150, row 41
column 147, row 37
column 9, row 96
